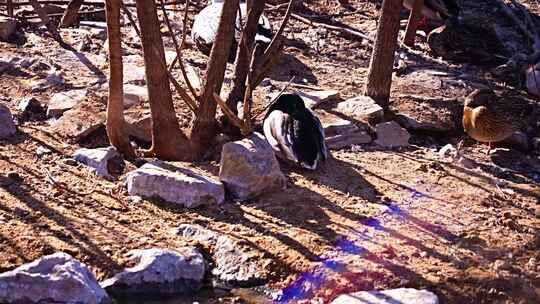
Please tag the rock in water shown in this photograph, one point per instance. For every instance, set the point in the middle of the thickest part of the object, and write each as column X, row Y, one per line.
column 249, row 167
column 391, row 135
column 159, row 272
column 391, row 296
column 175, row 185
column 7, row 126
column 56, row 278
column 236, row 263
column 106, row 162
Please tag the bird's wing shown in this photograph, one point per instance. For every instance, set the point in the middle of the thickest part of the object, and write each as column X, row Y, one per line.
column 277, row 131
column 322, row 144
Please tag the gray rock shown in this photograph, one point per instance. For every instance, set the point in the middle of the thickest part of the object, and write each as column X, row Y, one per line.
column 63, row 101
column 105, row 162
column 178, row 185
column 138, row 126
column 249, row 167
column 7, row 126
column 31, row 109
column 341, row 133
column 315, row 98
column 7, row 27
column 361, row 108
column 391, row 296
column 134, row 95
column 159, row 272
column 236, row 263
column 448, row 151
column 391, row 135
column 56, row 278
column 79, row 122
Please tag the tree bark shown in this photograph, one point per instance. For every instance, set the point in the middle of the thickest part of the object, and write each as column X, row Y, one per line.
column 168, row 142
column 204, row 126
column 412, row 24
column 379, row 79
column 10, row 7
column 71, row 13
column 115, row 106
column 242, row 62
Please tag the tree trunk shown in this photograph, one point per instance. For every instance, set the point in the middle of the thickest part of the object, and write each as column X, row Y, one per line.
column 45, row 19
column 412, row 25
column 71, row 13
column 242, row 62
column 168, row 142
column 204, row 126
column 379, row 79
column 9, row 7
column 115, row 106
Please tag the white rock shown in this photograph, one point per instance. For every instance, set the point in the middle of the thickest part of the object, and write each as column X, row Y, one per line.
column 7, row 27
column 343, row 141
column 105, row 162
column 249, row 167
column 159, row 272
column 315, row 98
column 134, row 74
column 447, row 151
column 134, row 95
column 175, row 185
column 340, row 133
column 361, row 108
column 391, row 296
column 7, row 126
column 56, row 278
column 391, row 135
column 63, row 101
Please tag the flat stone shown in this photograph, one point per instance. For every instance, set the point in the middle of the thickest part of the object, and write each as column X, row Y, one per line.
column 236, row 263
column 249, row 168
column 79, row 122
column 134, row 74
column 159, row 272
column 362, row 108
column 105, row 162
column 134, row 95
column 63, row 101
column 56, row 278
column 315, row 98
column 391, row 135
column 31, row 109
column 177, row 185
column 391, row 296
column 341, row 133
column 7, row 126
column 7, row 27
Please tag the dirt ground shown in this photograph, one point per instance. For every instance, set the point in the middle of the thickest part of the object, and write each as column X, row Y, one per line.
column 368, row 219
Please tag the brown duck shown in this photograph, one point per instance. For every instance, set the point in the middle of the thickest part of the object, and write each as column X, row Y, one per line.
column 489, row 118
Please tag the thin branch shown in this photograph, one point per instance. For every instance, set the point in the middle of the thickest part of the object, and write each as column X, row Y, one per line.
column 228, row 112
column 178, row 48
column 275, row 43
column 131, row 19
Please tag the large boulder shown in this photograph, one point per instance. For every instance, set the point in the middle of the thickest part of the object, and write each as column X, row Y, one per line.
column 105, row 162
column 249, row 167
column 178, row 185
column 56, row 278
column 236, row 262
column 391, row 296
column 7, row 126
column 159, row 272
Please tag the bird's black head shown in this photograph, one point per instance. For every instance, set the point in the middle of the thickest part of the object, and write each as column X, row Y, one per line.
column 479, row 97
column 291, row 104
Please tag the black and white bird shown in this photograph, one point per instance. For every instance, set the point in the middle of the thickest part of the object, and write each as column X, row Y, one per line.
column 206, row 23
column 294, row 132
